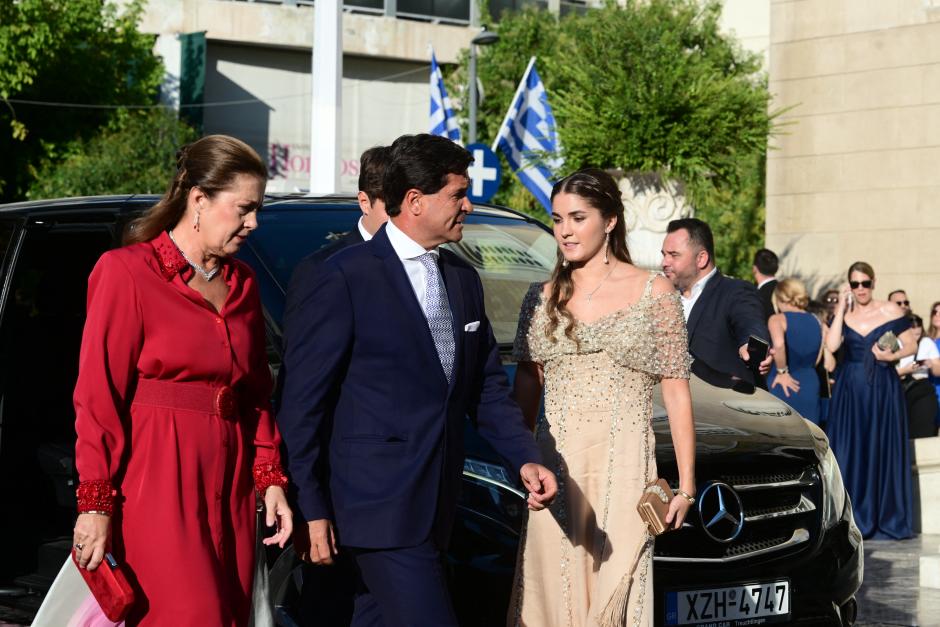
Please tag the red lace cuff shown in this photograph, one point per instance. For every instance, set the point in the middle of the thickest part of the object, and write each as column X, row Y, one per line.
column 96, row 496
column 268, row 474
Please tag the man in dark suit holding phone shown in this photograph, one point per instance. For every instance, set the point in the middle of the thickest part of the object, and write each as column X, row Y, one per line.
column 722, row 313
column 390, row 344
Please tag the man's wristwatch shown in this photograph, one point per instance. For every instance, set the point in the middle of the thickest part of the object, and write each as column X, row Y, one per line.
column 783, row 370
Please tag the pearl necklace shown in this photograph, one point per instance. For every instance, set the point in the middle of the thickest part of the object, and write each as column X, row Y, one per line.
column 208, row 275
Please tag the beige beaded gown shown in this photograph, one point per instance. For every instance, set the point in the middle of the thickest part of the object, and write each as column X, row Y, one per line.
column 587, row 560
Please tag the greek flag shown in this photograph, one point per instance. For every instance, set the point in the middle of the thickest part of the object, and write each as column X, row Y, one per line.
column 529, row 139
column 443, row 122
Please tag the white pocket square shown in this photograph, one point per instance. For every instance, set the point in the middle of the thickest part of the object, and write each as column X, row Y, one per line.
column 470, row 327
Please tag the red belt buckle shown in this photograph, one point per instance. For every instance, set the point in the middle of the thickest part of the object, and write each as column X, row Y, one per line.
column 225, row 403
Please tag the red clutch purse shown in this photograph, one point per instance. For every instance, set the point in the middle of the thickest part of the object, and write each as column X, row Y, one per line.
column 109, row 587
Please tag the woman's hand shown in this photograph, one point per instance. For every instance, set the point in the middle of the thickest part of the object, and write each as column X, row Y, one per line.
column 881, row 354
column 845, row 299
column 90, row 539
column 277, row 511
column 787, row 383
column 678, row 509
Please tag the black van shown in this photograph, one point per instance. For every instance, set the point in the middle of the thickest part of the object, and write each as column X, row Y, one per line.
column 772, row 540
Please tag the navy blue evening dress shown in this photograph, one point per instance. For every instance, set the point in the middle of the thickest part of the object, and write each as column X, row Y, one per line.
column 803, row 338
column 867, row 430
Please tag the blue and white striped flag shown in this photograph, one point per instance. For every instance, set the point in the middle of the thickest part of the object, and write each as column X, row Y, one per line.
column 529, row 139
column 443, row 121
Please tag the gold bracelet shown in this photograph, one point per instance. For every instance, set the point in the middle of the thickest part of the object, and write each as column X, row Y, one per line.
column 95, row 511
column 686, row 495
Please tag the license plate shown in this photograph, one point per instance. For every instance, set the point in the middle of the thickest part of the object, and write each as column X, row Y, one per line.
column 743, row 604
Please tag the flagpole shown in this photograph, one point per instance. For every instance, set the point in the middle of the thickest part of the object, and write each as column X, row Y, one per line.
column 515, row 96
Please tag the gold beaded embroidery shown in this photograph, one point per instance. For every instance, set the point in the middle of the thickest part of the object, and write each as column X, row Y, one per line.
column 608, row 375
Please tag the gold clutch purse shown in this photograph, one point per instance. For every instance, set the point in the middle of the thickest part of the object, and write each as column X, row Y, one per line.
column 889, row 342
column 654, row 505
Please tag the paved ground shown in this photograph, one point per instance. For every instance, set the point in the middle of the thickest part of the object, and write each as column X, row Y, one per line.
column 891, row 594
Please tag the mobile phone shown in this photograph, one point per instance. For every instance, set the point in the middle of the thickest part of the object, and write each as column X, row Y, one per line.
column 850, row 300
column 756, row 350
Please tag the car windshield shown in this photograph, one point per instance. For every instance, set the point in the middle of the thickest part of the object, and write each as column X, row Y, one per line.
column 508, row 253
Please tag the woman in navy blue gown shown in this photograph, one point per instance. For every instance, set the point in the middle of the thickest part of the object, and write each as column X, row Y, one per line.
column 797, row 337
column 868, row 416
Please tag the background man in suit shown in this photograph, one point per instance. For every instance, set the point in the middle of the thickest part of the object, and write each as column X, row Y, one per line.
column 327, row 593
column 899, row 298
column 721, row 312
column 765, row 269
column 389, row 342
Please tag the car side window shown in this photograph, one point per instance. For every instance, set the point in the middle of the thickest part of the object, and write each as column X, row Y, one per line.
column 40, row 337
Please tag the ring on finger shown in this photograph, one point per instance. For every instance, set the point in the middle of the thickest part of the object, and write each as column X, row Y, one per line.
column 79, row 546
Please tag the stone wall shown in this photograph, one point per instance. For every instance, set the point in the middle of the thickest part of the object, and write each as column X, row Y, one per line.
column 855, row 174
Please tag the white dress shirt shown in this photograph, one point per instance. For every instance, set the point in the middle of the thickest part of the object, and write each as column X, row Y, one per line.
column 694, row 293
column 408, row 251
column 366, row 236
column 766, row 281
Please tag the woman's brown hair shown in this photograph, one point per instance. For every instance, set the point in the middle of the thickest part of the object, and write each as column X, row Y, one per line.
column 211, row 164
column 933, row 330
column 600, row 191
column 864, row 268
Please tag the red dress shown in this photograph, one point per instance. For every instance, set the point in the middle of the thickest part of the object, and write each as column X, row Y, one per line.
column 175, row 431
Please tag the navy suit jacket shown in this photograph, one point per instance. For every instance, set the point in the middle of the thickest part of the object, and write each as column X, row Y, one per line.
column 766, row 293
column 359, row 355
column 727, row 312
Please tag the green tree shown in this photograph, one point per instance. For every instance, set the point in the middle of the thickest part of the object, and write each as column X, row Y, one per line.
column 135, row 156
column 66, row 51
column 650, row 86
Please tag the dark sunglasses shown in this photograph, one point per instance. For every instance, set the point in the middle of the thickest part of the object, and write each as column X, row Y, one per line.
column 906, row 303
column 857, row 284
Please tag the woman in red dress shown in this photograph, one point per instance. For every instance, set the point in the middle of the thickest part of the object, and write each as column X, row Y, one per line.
column 175, row 432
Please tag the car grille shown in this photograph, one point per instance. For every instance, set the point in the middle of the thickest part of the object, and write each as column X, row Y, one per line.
column 780, row 518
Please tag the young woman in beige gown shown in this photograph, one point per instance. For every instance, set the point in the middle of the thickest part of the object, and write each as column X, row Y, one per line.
column 597, row 338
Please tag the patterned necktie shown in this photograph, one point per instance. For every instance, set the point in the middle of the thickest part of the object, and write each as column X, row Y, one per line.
column 437, row 310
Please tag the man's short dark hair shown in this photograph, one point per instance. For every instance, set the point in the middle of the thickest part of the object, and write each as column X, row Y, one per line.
column 896, row 292
column 766, row 262
column 699, row 234
column 421, row 162
column 372, row 166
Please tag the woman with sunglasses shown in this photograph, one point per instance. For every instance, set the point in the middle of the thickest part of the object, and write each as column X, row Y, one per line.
column 868, row 415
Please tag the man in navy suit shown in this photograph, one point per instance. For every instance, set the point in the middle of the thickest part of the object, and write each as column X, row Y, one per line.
column 327, row 594
column 721, row 312
column 389, row 346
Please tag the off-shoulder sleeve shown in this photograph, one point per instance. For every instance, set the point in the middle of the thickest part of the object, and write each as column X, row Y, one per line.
column 670, row 343
column 111, row 345
column 526, row 345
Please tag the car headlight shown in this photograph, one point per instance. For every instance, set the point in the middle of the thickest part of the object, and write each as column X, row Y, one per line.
column 833, row 490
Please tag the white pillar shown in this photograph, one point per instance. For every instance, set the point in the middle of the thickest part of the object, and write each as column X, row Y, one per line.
column 169, row 48
column 325, row 123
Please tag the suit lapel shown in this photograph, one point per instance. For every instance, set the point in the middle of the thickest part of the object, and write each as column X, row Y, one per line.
column 401, row 286
column 707, row 294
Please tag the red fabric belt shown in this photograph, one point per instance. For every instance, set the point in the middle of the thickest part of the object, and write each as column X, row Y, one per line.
column 198, row 397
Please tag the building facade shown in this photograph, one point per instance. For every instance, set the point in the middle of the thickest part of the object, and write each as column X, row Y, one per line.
column 855, row 173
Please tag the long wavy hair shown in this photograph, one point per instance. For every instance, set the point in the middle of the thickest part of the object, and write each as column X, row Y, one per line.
column 599, row 190
column 933, row 330
column 211, row 164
